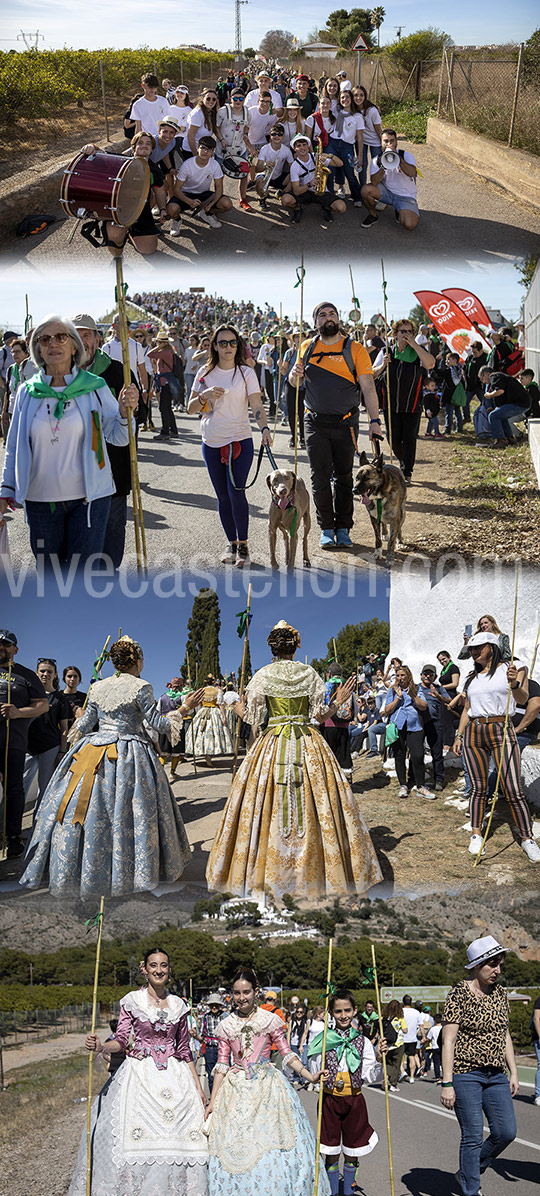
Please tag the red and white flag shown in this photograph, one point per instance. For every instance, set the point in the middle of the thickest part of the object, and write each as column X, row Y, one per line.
column 471, row 306
column 451, row 322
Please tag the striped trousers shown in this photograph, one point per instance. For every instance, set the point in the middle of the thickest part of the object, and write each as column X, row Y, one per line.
column 480, row 742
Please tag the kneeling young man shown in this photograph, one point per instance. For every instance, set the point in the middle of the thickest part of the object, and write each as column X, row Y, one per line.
column 199, row 188
column 275, row 159
column 303, row 182
column 351, row 1060
column 396, row 186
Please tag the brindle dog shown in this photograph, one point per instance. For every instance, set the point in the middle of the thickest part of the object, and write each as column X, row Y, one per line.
column 384, row 492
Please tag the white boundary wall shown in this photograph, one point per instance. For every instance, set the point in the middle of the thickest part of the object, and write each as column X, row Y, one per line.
column 429, row 610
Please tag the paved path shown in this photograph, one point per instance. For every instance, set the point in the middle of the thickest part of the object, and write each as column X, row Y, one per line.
column 461, row 217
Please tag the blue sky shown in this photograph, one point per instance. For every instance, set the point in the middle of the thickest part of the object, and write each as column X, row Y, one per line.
column 63, row 291
column 70, row 23
column 73, row 630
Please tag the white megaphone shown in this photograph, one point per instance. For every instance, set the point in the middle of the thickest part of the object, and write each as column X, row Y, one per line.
column 390, row 159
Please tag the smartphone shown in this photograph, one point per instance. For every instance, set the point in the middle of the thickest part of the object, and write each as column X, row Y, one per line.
column 468, row 630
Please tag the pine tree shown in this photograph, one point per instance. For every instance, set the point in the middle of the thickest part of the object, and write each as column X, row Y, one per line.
column 353, row 642
column 202, row 645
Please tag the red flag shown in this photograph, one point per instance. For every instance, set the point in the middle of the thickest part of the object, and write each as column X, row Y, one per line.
column 471, row 306
column 451, row 323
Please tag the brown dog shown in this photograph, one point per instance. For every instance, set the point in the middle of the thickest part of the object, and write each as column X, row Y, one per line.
column 384, row 492
column 289, row 506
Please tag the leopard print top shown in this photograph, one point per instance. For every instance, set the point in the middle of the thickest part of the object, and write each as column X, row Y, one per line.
column 483, row 1025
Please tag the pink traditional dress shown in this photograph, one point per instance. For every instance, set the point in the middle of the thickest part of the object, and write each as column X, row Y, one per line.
column 147, row 1121
column 260, row 1141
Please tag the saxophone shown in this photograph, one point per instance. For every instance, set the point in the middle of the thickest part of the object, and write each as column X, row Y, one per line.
column 321, row 171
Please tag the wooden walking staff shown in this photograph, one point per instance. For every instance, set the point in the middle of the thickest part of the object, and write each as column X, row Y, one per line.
column 505, row 731
column 98, row 665
column 242, row 677
column 280, row 334
column 138, row 519
column 535, row 650
column 99, row 920
column 388, row 411
column 300, row 283
column 385, row 1074
column 323, row 1057
column 4, row 782
column 356, row 307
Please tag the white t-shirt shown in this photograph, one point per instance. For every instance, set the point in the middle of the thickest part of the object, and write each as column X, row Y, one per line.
column 233, row 129
column 150, row 113
column 137, row 355
column 371, row 118
column 413, row 1019
column 181, row 118
column 229, row 420
column 304, row 172
column 282, row 158
column 306, row 126
column 252, row 99
column 345, row 85
column 395, row 180
column 196, row 122
column 259, row 126
column 57, row 470
column 434, row 1035
column 197, row 179
column 489, row 695
column 352, row 125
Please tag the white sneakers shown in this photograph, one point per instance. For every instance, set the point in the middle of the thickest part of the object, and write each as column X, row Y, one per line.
column 532, row 850
column 175, row 229
column 475, row 845
column 429, row 796
column 209, row 219
column 403, row 791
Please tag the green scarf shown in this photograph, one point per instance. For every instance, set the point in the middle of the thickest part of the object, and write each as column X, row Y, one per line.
column 406, row 354
column 16, row 374
column 81, row 385
column 344, row 1047
column 100, row 363
column 175, row 694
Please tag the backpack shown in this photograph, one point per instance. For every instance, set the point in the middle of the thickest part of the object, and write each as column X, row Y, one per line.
column 346, row 353
column 389, row 1031
column 30, row 226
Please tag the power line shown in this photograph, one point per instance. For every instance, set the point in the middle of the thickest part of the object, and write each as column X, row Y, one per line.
column 31, row 40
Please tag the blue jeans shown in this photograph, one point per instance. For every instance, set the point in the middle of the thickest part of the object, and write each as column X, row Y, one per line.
column 433, row 425
column 115, row 532
column 64, row 532
column 210, row 1060
column 375, row 730
column 374, row 150
column 347, row 152
column 537, row 1076
column 232, row 504
column 498, row 420
column 450, row 411
column 484, row 1091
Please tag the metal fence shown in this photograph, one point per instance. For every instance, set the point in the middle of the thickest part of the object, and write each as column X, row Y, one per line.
column 495, row 97
column 36, row 1025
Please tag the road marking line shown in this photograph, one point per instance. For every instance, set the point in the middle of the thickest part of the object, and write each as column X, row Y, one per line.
column 421, row 1104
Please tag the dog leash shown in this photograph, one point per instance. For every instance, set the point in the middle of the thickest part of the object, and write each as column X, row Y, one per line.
column 264, row 448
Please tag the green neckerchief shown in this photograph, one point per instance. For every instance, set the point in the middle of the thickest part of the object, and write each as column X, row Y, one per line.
column 16, row 374
column 100, row 363
column 342, row 1046
column 175, row 694
column 80, row 385
column 406, row 354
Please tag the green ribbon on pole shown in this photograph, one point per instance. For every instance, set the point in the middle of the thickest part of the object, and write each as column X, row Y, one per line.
column 98, row 665
column 244, row 619
column 90, row 924
column 300, row 274
column 369, row 977
column 330, row 990
column 356, row 302
column 384, row 286
column 125, row 290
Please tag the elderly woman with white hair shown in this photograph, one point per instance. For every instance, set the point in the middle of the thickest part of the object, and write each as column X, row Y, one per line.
column 479, row 1068
column 56, row 463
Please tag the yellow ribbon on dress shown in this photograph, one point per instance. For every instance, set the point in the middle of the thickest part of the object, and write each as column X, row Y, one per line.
column 291, row 729
column 83, row 768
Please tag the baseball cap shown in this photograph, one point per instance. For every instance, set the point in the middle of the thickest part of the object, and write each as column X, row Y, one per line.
column 8, row 637
column 481, row 638
column 429, row 668
column 85, row 321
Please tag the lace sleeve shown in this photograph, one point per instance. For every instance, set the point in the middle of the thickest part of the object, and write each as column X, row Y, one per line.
column 279, row 1040
column 85, row 724
column 318, row 706
column 255, row 702
column 147, row 703
column 224, row 1052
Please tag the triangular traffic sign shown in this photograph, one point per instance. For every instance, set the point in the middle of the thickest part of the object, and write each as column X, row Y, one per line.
column 360, row 43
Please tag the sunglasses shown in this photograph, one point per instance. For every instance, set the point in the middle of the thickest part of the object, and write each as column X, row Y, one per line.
column 59, row 337
column 227, row 344
column 45, row 660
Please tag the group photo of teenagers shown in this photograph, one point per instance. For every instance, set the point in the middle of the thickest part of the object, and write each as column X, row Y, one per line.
column 270, row 601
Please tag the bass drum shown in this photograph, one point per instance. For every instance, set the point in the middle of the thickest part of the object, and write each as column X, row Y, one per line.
column 107, row 186
column 235, row 165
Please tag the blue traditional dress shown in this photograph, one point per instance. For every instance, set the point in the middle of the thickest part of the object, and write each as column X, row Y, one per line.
column 108, row 822
column 260, row 1141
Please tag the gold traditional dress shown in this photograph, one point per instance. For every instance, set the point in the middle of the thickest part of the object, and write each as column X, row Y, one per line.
column 291, row 823
column 208, row 728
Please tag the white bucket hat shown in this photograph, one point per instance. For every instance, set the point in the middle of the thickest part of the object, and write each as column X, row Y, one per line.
column 482, row 950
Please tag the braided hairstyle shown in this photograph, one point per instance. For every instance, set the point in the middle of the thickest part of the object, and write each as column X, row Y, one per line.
column 283, row 641
column 125, row 654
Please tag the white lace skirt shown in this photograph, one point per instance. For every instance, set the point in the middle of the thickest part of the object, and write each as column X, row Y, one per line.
column 146, row 1137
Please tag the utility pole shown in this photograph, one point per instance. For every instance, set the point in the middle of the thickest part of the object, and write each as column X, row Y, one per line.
column 238, row 29
column 31, row 40
column 398, row 29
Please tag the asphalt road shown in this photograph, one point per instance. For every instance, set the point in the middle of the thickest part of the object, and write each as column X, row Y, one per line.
column 425, row 1146
column 180, row 509
column 461, row 217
